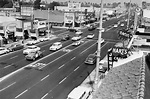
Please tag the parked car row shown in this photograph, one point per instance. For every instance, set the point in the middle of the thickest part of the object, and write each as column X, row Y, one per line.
column 32, row 42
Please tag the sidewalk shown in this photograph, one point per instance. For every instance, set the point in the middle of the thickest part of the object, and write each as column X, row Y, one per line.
column 91, row 77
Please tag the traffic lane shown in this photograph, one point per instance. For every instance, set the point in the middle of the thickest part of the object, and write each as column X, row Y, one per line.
column 12, row 54
column 20, row 61
column 77, row 77
column 35, row 76
column 51, row 80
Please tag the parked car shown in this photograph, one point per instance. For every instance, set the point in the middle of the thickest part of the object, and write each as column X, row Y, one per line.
column 71, row 29
column 91, row 59
column 33, row 55
column 75, row 38
column 3, row 50
column 115, row 25
column 92, row 27
column 65, row 37
column 42, row 39
column 30, row 49
column 90, row 35
column 77, row 43
column 32, row 42
column 55, row 46
column 16, row 46
column 80, row 92
column 79, row 32
column 122, row 24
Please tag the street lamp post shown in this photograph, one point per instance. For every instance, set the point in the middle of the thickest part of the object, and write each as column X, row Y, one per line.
column 48, row 25
column 129, row 14
column 99, row 46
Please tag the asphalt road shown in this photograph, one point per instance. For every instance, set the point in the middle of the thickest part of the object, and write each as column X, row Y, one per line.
column 64, row 69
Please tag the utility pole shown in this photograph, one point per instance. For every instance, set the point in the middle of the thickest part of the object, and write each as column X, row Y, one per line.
column 129, row 14
column 135, row 20
column 99, row 46
column 48, row 25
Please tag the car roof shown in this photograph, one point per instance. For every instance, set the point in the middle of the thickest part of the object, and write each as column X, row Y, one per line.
column 78, row 91
column 91, row 55
column 57, row 43
column 32, row 46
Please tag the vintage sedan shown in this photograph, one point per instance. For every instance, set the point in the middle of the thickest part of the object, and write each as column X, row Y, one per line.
column 16, row 46
column 34, row 55
column 3, row 50
column 55, row 46
column 30, row 49
column 91, row 59
column 77, row 43
column 75, row 38
column 90, row 35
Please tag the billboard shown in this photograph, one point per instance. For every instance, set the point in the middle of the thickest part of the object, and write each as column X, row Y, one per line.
column 74, row 6
column 146, row 17
column 146, row 13
column 26, row 11
column 69, row 17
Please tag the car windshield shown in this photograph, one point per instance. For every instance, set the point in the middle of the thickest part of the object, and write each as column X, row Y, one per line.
column 90, row 34
column 31, row 47
column 55, row 44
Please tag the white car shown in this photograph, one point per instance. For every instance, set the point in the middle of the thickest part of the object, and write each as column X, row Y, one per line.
column 102, row 30
column 90, row 36
column 30, row 49
column 102, row 40
column 115, row 25
column 43, row 39
column 79, row 32
column 32, row 42
column 76, row 43
column 55, row 46
column 122, row 24
column 75, row 38
column 3, row 50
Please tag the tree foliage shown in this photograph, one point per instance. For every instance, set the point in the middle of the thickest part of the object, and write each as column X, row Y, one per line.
column 53, row 4
column 37, row 4
column 5, row 4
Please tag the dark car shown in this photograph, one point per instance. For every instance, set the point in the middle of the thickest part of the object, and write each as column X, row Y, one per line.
column 92, row 27
column 91, row 59
column 34, row 55
column 65, row 37
column 15, row 47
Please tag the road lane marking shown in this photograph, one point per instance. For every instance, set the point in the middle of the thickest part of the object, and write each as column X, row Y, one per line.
column 7, row 86
column 76, row 68
column 73, row 58
column 70, row 73
column 62, row 80
column 14, row 57
column 21, row 93
column 87, row 48
column 44, row 77
column 44, row 96
column 8, row 66
column 61, row 66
